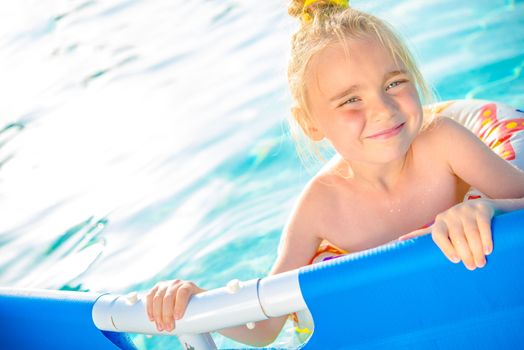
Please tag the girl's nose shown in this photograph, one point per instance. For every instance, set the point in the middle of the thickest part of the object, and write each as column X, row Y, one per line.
column 383, row 108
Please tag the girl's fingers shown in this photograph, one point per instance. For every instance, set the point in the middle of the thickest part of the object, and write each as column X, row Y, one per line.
column 462, row 233
column 167, row 307
column 167, row 302
column 182, row 298
column 460, row 243
column 484, row 226
column 441, row 238
column 149, row 303
column 158, row 300
column 471, row 231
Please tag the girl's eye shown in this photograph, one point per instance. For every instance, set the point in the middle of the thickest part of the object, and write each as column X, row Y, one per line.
column 350, row 100
column 395, row 84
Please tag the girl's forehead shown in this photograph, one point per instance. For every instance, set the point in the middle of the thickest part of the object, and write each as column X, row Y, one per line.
column 357, row 57
column 350, row 52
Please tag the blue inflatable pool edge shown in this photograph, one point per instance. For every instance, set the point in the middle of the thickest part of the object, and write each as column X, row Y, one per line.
column 47, row 319
column 399, row 296
column 409, row 296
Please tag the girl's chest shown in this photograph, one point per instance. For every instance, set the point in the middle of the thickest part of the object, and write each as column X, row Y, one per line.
column 367, row 220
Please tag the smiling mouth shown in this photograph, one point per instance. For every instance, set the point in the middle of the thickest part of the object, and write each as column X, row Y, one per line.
column 387, row 133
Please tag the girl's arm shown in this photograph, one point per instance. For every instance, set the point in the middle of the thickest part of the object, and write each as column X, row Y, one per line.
column 167, row 301
column 298, row 244
column 463, row 232
column 479, row 166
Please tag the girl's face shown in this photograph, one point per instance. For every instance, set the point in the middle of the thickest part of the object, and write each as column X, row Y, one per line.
column 366, row 105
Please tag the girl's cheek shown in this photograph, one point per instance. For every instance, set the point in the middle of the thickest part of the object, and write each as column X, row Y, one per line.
column 414, row 98
column 352, row 117
column 354, row 123
column 410, row 102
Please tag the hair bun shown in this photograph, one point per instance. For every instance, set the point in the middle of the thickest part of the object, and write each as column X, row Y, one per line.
column 305, row 10
column 295, row 8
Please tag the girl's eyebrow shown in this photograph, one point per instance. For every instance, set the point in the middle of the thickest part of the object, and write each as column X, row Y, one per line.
column 393, row 73
column 353, row 88
column 346, row 92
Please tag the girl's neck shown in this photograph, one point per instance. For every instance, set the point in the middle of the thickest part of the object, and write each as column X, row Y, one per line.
column 382, row 177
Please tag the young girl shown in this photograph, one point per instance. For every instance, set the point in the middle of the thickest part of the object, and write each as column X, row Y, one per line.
column 397, row 167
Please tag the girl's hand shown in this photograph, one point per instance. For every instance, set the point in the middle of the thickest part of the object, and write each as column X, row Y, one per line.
column 167, row 302
column 462, row 232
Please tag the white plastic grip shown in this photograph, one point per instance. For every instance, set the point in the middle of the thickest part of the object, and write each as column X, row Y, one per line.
column 239, row 303
column 281, row 295
column 220, row 308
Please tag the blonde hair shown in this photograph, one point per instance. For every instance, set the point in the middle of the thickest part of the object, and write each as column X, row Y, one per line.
column 324, row 23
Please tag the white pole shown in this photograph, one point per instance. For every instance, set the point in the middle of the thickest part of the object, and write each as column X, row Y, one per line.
column 237, row 304
column 206, row 312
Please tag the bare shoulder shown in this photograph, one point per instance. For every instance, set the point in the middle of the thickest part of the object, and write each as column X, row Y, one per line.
column 441, row 136
column 471, row 160
column 318, row 197
column 306, row 224
column 441, row 129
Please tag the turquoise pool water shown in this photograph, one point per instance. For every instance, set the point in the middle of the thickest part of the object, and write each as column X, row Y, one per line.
column 145, row 140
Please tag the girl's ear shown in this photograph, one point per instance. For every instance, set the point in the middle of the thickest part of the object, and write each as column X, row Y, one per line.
column 309, row 128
